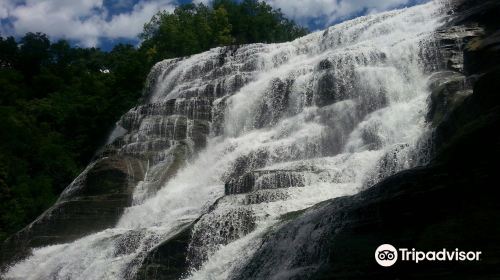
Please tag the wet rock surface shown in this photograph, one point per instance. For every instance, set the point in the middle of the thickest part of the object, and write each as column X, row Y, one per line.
column 168, row 260
column 450, row 204
column 150, row 144
column 94, row 202
column 306, row 133
column 427, row 208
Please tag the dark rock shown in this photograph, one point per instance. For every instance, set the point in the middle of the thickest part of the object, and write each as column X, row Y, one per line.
column 166, row 169
column 227, row 51
column 329, row 90
column 475, row 111
column 168, row 260
column 451, row 41
column 264, row 179
column 482, row 16
column 248, row 162
column 219, row 109
column 264, row 196
column 482, row 12
column 242, row 184
column 388, row 165
column 196, row 108
column 274, row 103
column 451, row 203
column 95, row 201
column 325, row 64
column 448, row 90
column 482, row 54
column 218, row 227
column 199, row 131
column 427, row 209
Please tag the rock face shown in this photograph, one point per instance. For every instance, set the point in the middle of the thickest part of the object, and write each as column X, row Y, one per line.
column 167, row 261
column 95, row 201
column 427, row 208
column 228, row 168
column 450, row 204
column 149, row 144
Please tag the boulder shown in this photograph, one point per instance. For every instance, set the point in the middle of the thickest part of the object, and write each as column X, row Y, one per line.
column 448, row 90
column 168, row 260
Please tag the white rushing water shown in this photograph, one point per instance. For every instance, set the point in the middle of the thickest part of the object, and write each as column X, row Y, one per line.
column 307, row 121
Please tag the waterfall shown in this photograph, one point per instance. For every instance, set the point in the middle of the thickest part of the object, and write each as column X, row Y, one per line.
column 237, row 138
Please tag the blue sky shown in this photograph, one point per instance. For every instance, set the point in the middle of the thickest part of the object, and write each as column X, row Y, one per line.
column 104, row 23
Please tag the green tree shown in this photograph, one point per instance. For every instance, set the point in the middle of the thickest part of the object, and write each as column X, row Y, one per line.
column 195, row 28
column 222, row 27
column 8, row 52
column 34, row 52
column 57, row 105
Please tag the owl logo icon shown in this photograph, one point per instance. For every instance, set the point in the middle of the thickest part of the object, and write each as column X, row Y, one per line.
column 386, row 255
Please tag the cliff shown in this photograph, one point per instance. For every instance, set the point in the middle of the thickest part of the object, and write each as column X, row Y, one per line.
column 294, row 160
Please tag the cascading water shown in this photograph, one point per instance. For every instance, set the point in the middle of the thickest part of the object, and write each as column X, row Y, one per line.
column 237, row 137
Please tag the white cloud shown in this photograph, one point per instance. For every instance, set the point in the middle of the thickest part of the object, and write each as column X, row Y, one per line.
column 85, row 21
column 130, row 24
column 331, row 10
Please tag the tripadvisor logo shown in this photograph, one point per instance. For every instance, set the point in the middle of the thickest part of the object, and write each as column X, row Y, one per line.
column 387, row 255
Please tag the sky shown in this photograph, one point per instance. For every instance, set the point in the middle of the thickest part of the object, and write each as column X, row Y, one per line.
column 105, row 23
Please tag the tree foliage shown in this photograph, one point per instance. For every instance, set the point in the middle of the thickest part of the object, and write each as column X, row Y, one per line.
column 194, row 28
column 56, row 107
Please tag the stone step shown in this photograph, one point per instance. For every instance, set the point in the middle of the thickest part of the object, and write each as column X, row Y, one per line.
column 218, row 227
column 195, row 108
column 172, row 127
column 291, row 174
column 264, row 179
